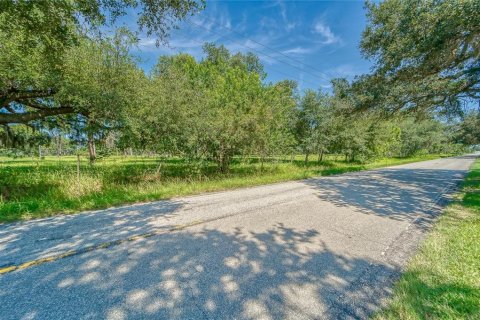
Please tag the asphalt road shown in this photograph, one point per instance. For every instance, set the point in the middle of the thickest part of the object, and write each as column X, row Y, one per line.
column 326, row 248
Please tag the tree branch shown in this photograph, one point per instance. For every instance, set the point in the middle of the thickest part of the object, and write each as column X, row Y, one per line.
column 13, row 94
column 6, row 118
column 9, row 108
column 33, row 104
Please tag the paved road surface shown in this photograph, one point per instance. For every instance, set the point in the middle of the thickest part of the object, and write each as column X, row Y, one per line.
column 314, row 249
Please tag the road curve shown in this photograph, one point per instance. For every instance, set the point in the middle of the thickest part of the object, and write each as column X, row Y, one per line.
column 323, row 248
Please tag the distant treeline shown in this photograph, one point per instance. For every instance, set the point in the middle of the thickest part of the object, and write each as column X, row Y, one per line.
column 220, row 107
column 69, row 83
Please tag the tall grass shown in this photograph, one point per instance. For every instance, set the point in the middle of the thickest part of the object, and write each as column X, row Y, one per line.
column 32, row 188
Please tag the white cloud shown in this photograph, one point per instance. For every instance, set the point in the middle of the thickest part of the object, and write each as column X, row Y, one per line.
column 288, row 25
column 268, row 24
column 324, row 30
column 217, row 18
column 297, row 50
column 147, row 43
column 344, row 71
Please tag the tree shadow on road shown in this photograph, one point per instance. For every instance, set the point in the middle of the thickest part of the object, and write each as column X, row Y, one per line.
column 29, row 240
column 203, row 273
column 396, row 193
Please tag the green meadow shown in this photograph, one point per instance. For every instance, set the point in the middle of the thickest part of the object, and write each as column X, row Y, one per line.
column 33, row 188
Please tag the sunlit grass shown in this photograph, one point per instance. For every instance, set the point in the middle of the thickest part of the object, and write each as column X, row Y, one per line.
column 32, row 187
column 443, row 279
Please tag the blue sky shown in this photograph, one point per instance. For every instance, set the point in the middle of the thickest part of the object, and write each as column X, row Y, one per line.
column 312, row 41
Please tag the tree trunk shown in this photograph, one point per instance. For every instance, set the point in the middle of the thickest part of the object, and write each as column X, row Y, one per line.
column 320, row 156
column 59, row 146
column 7, row 136
column 92, row 152
column 224, row 165
column 224, row 162
column 306, row 157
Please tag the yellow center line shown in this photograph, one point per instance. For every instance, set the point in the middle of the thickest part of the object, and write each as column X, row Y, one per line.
column 103, row 245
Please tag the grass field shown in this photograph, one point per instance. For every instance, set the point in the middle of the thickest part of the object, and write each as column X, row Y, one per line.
column 443, row 279
column 33, row 188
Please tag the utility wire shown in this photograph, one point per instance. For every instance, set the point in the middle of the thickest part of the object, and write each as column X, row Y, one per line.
column 272, row 49
column 272, row 69
column 290, row 76
column 299, row 80
column 253, row 49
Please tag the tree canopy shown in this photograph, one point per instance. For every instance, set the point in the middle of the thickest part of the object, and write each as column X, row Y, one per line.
column 426, row 55
column 215, row 108
column 74, row 83
column 39, row 39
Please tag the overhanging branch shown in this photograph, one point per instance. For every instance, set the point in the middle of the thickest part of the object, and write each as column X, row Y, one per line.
column 6, row 118
column 14, row 94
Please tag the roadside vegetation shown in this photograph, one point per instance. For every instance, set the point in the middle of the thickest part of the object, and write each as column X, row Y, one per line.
column 33, row 187
column 443, row 280
column 84, row 126
column 71, row 83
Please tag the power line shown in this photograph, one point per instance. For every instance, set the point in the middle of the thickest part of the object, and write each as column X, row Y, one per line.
column 272, row 49
column 253, row 49
column 272, row 69
column 256, row 50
